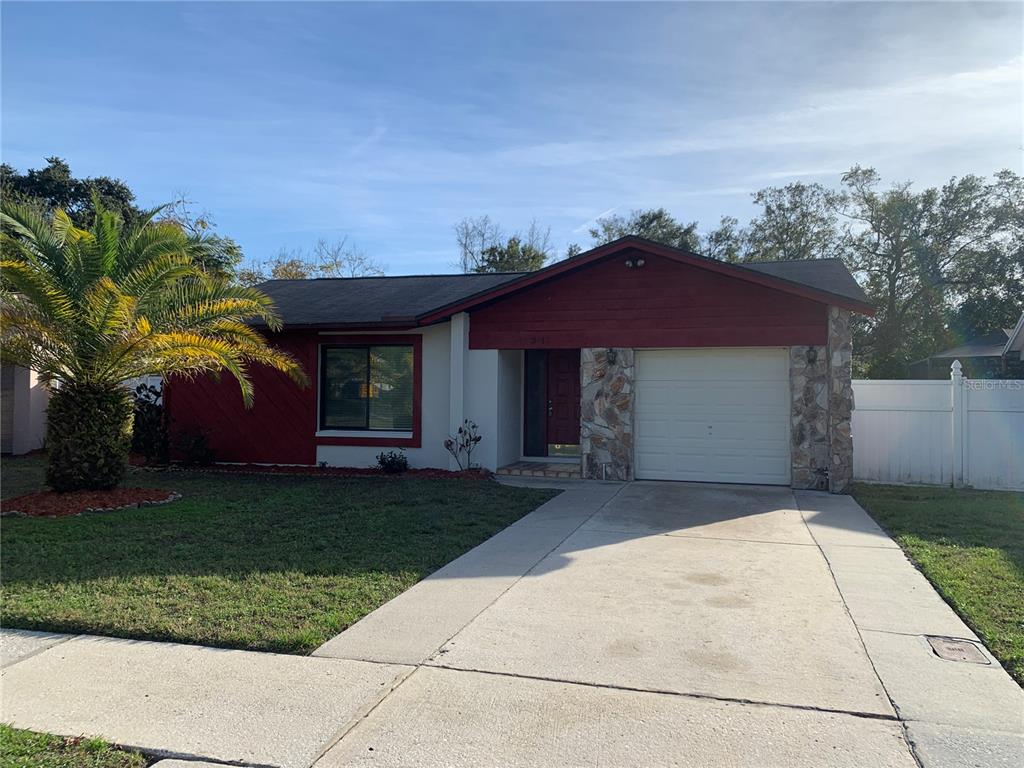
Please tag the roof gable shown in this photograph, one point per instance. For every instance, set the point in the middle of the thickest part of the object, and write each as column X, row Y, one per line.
column 826, row 280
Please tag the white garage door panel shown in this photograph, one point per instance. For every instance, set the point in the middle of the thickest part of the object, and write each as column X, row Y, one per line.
column 713, row 415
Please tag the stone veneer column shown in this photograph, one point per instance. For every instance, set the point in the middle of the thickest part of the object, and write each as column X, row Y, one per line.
column 606, row 413
column 809, row 392
column 840, row 400
column 821, row 446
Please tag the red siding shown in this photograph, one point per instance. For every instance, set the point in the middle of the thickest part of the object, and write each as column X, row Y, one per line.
column 281, row 426
column 662, row 304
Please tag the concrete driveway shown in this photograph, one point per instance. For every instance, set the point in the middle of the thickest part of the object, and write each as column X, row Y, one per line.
column 648, row 624
column 677, row 624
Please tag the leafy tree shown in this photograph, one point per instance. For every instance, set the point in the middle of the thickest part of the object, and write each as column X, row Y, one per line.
column 337, row 259
column 55, row 187
column 514, row 256
column 90, row 308
column 655, row 224
column 484, row 248
column 728, row 242
column 925, row 256
column 797, row 221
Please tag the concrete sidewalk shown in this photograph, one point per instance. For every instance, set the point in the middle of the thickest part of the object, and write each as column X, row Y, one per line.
column 956, row 714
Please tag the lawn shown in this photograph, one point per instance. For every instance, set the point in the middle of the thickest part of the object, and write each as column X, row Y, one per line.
column 26, row 749
column 970, row 545
column 270, row 563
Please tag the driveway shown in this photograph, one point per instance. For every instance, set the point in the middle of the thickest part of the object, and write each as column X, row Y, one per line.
column 648, row 624
column 668, row 624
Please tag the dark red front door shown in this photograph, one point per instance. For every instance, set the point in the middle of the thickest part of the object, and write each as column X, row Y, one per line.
column 563, row 425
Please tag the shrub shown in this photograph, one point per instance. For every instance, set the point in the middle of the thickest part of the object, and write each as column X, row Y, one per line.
column 150, row 433
column 194, row 449
column 462, row 444
column 392, row 462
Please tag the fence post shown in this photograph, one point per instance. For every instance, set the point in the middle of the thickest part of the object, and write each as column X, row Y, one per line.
column 957, row 381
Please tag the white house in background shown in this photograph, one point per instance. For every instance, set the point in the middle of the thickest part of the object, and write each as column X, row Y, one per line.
column 23, row 400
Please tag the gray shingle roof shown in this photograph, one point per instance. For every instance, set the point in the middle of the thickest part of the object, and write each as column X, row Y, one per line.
column 399, row 300
column 824, row 274
column 370, row 300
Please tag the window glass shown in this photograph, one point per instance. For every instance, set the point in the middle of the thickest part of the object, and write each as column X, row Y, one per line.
column 391, row 388
column 343, row 400
column 366, row 388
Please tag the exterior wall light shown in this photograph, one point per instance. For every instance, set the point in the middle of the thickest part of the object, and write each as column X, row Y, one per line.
column 639, row 262
column 629, row 263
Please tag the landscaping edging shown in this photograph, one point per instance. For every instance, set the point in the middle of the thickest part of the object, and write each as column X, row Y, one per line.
column 53, row 504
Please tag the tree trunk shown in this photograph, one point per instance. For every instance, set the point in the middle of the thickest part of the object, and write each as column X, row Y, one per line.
column 88, row 433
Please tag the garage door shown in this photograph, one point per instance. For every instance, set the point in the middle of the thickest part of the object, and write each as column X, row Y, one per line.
column 713, row 415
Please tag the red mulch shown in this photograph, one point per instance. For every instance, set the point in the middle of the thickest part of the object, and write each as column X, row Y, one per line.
column 283, row 469
column 53, row 504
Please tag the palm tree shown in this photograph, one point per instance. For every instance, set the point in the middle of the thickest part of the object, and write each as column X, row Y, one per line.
column 88, row 309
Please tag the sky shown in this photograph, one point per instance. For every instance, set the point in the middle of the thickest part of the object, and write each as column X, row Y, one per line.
column 387, row 123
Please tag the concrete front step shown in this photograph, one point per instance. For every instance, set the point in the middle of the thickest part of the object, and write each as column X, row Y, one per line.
column 548, row 469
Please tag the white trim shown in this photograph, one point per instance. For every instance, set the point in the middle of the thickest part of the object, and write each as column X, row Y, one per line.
column 1017, row 333
column 374, row 433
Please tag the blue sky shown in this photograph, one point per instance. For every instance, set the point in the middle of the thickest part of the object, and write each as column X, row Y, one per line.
column 390, row 122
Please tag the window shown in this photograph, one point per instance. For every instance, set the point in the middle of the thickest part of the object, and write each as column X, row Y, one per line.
column 367, row 388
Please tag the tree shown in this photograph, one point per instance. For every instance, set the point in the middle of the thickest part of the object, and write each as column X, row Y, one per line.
column 483, row 247
column 89, row 308
column 220, row 255
column 55, row 187
column 728, row 242
column 655, row 224
column 337, row 259
column 797, row 221
column 925, row 256
column 514, row 256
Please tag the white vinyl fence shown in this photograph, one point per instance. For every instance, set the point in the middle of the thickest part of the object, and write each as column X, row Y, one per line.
column 962, row 432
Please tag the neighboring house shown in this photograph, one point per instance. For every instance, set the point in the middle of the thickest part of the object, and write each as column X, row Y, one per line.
column 996, row 355
column 632, row 360
column 23, row 400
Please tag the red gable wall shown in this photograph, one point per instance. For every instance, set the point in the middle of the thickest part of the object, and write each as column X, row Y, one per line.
column 662, row 304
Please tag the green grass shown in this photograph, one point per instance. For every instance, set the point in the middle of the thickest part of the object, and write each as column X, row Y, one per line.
column 26, row 749
column 270, row 563
column 970, row 545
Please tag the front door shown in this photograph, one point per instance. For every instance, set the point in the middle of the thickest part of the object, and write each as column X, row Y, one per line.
column 563, row 419
column 551, row 402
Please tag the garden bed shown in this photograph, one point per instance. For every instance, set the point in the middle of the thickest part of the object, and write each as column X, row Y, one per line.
column 309, row 471
column 53, row 504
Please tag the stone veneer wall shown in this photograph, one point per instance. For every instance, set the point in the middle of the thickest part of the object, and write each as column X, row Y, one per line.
column 606, row 413
column 840, row 400
column 822, row 405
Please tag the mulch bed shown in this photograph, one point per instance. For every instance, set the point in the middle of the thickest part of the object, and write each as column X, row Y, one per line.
column 306, row 471
column 53, row 504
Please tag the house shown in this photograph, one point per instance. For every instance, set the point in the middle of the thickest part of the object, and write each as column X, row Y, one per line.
column 23, row 401
column 632, row 360
column 994, row 355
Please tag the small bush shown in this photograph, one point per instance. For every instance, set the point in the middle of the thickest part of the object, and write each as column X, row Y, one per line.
column 392, row 462
column 150, row 430
column 194, row 449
